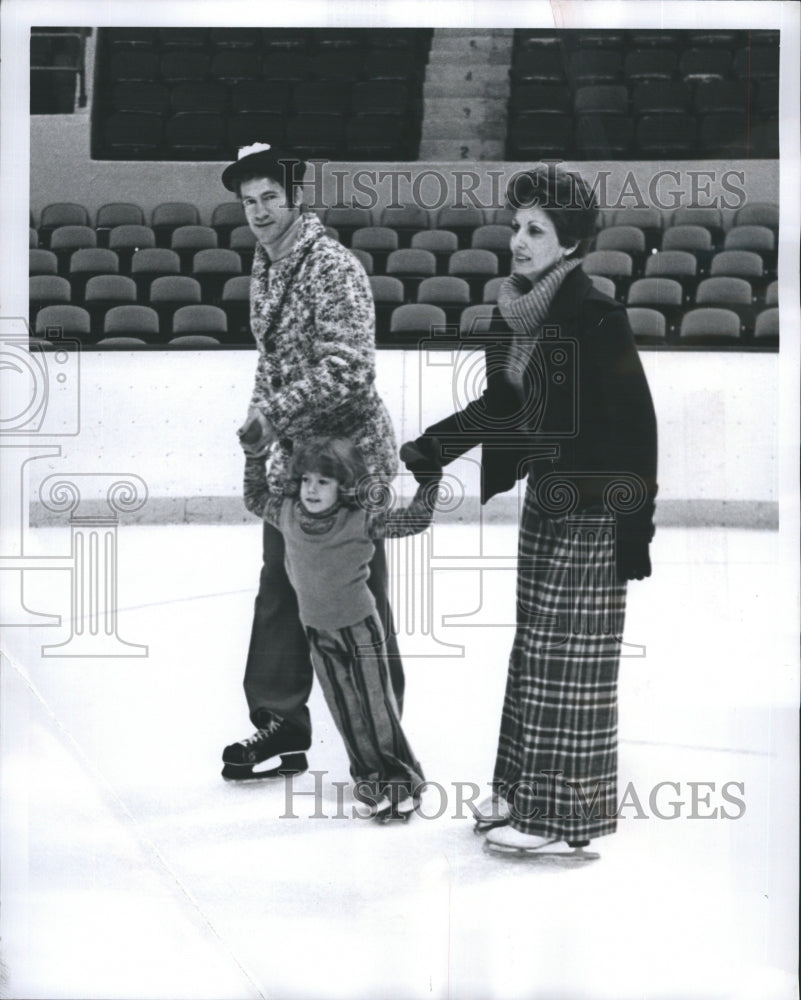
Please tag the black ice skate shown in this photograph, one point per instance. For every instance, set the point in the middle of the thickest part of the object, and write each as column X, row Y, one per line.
column 506, row 840
column 255, row 757
column 387, row 811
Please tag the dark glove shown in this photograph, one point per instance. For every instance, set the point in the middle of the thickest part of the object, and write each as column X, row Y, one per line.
column 423, row 458
column 632, row 559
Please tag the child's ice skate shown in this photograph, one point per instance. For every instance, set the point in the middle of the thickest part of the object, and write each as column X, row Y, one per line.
column 507, row 840
column 492, row 812
column 275, row 751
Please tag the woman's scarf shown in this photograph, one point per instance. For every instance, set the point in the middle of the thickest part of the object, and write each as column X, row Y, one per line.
column 525, row 307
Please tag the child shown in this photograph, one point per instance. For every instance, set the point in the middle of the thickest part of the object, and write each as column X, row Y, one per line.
column 327, row 538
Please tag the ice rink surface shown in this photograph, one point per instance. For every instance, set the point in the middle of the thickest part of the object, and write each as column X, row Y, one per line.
column 132, row 870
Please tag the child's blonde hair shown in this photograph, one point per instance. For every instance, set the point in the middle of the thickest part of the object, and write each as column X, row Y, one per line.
column 336, row 458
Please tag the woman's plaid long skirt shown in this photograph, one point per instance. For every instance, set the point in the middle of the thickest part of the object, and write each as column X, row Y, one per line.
column 557, row 751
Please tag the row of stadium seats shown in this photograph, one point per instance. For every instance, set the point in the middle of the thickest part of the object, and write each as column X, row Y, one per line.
column 294, row 40
column 405, row 221
column 199, row 326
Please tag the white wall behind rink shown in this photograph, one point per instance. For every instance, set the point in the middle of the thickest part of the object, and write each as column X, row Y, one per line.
column 171, row 418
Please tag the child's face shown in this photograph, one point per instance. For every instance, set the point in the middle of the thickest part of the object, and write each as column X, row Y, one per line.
column 318, row 493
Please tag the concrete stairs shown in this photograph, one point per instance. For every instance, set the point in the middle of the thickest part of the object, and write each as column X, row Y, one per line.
column 465, row 95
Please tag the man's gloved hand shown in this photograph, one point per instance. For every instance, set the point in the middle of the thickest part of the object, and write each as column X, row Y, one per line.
column 423, row 458
column 256, row 434
column 633, row 561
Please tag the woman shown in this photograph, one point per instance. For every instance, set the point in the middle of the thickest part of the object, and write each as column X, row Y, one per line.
column 567, row 406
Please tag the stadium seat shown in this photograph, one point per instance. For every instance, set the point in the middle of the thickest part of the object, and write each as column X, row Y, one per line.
column 766, row 330
column 758, row 213
column 243, row 241
column 182, row 38
column 386, row 64
column 190, row 65
column 642, row 64
column 141, row 95
column 134, row 64
column 60, row 214
column 42, row 262
column 195, row 135
column 585, row 68
column 540, row 136
column 331, row 39
column 260, row 95
column 772, row 294
column 727, row 134
column 728, row 293
column 346, row 220
column 489, row 293
column 450, row 294
column 133, row 135
column 696, row 64
column 716, row 96
column 235, row 38
column 105, row 291
column 387, row 296
column 88, row 263
column 126, row 240
column 662, row 294
column 551, row 98
column 116, row 214
column 603, row 284
column 66, row 239
column 71, row 322
column 766, row 100
column 678, row 265
column 376, row 137
column 608, row 99
column 757, row 239
column 696, row 240
column 708, row 326
column 411, row 266
column 206, row 97
column 462, row 220
column 187, row 240
column 629, row 239
column 327, row 96
column 649, row 220
column 376, row 96
column 365, row 258
column 406, row 220
column 661, row 97
column 316, row 135
column 130, row 38
column 246, row 127
column 151, row 263
column 604, row 136
column 336, row 66
column 740, row 264
column 285, row 66
column 415, row 323
column 496, row 238
column 379, row 241
column 476, row 267
column 132, row 321
column 47, row 290
column 33, row 238
column 225, row 218
column 756, row 62
column 168, row 216
column 290, row 40
column 613, row 264
column 441, row 242
column 235, row 65
column 212, row 268
column 647, row 325
column 199, row 319
column 195, row 341
column 545, row 65
column 169, row 293
column 235, row 302
column 667, row 136
column 710, row 218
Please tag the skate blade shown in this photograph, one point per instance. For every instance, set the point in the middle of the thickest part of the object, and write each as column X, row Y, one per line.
column 574, row 856
column 483, row 825
column 291, row 764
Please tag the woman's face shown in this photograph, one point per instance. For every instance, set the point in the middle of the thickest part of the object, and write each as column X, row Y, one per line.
column 535, row 246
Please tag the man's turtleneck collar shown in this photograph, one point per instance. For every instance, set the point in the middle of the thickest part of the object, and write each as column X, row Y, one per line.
column 283, row 246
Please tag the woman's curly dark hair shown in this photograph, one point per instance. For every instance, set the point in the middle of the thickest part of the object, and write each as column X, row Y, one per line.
column 566, row 199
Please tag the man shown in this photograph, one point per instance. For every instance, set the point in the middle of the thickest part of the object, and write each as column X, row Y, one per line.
column 313, row 320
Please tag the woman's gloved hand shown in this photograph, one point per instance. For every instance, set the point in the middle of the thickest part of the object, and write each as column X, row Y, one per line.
column 633, row 561
column 423, row 458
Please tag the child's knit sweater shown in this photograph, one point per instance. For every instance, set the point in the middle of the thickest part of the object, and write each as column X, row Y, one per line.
column 327, row 555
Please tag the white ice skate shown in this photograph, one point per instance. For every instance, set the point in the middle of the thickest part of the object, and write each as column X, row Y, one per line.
column 492, row 812
column 506, row 840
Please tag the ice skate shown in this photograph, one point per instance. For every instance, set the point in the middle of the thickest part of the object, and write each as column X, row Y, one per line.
column 399, row 812
column 274, row 751
column 506, row 840
column 492, row 812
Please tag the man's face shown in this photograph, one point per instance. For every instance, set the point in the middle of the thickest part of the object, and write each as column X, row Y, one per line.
column 266, row 210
